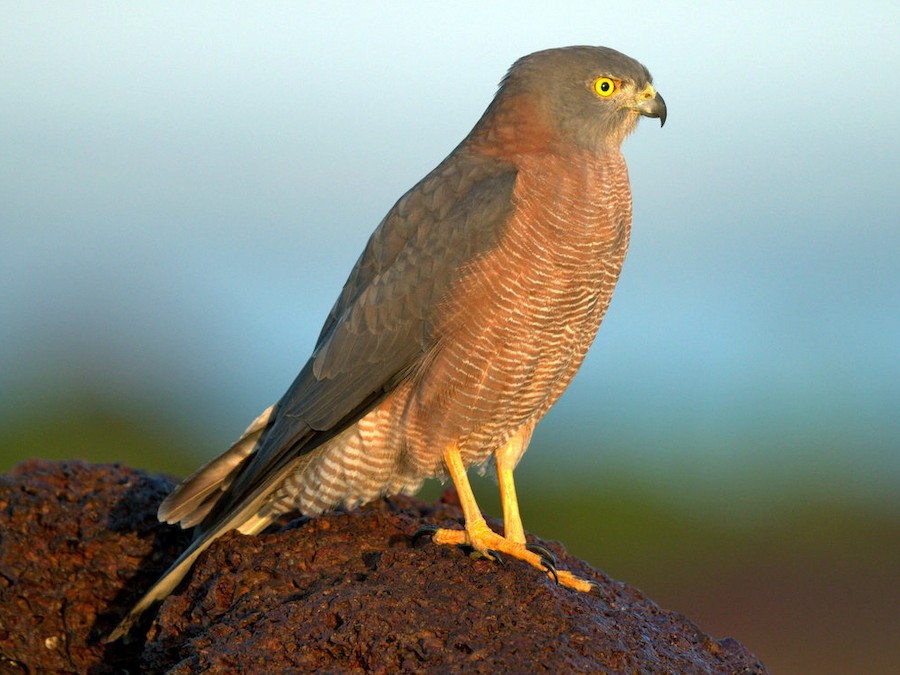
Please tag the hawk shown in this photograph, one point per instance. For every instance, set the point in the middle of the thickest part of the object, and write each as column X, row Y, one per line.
column 466, row 316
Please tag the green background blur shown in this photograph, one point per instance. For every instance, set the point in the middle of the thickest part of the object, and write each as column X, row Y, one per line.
column 183, row 190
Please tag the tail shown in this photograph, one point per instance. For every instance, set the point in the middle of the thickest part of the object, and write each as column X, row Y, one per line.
column 164, row 586
column 192, row 501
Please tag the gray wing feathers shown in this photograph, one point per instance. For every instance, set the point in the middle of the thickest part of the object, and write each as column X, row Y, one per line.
column 380, row 325
column 379, row 329
column 377, row 332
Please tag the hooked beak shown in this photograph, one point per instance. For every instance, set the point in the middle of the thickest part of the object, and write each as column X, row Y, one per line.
column 651, row 104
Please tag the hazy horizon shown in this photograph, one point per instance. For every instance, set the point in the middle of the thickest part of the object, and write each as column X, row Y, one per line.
column 185, row 189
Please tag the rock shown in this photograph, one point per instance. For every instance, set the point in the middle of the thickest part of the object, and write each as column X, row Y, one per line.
column 345, row 592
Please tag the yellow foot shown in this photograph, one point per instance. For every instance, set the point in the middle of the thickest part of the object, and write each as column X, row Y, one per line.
column 488, row 543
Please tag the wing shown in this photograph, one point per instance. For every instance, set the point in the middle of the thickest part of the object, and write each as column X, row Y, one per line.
column 380, row 327
column 376, row 333
column 381, row 324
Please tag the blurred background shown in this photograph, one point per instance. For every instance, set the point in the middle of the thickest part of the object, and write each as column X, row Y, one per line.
column 183, row 189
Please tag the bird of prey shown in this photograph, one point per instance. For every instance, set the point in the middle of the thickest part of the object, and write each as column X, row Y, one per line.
column 466, row 316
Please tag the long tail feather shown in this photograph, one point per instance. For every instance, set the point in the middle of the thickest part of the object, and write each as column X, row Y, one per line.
column 192, row 500
column 246, row 512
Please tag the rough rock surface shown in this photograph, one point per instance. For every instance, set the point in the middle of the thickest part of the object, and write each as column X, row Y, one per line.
column 346, row 592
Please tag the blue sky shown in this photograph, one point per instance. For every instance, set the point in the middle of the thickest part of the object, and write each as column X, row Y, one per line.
column 183, row 190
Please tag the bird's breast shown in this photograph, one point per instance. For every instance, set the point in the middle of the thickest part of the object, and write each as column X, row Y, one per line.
column 515, row 327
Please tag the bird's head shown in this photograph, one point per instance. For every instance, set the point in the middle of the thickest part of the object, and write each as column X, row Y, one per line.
column 588, row 96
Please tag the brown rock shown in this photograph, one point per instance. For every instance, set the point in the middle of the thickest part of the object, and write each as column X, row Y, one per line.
column 346, row 592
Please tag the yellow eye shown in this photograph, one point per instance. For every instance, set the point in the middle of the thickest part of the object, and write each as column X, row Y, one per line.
column 603, row 86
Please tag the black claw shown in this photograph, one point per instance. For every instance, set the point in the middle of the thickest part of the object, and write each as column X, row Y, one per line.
column 542, row 552
column 595, row 587
column 496, row 556
column 424, row 531
column 550, row 566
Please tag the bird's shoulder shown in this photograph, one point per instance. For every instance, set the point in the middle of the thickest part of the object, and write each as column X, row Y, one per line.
column 454, row 213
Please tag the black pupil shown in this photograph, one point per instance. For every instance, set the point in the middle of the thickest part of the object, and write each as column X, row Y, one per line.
column 604, row 86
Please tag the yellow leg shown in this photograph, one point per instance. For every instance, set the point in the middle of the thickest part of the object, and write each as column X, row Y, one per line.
column 505, row 459
column 471, row 512
column 483, row 539
column 512, row 521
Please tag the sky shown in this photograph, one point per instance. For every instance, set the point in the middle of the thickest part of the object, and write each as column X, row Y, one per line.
column 184, row 188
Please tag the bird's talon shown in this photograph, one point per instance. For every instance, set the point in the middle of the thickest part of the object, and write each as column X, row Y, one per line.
column 496, row 556
column 550, row 566
column 542, row 552
column 595, row 587
column 424, row 531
